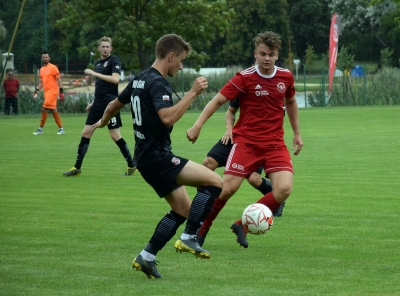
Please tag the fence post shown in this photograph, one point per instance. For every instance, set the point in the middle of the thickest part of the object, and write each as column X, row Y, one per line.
column 305, row 91
column 365, row 87
column 323, row 88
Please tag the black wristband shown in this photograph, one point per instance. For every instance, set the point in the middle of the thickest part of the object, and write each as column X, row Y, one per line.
column 61, row 90
column 36, row 90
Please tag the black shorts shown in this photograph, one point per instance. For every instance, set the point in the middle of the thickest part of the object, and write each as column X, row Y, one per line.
column 95, row 114
column 162, row 174
column 220, row 152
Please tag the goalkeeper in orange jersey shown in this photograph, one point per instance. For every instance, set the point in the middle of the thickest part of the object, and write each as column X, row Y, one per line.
column 50, row 82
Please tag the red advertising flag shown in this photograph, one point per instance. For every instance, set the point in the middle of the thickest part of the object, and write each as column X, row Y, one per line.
column 333, row 47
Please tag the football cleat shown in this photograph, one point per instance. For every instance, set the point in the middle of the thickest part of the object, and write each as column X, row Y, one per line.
column 240, row 231
column 192, row 246
column 61, row 131
column 149, row 268
column 279, row 210
column 130, row 171
column 72, row 172
column 38, row 132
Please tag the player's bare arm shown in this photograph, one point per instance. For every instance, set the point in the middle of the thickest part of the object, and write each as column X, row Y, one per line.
column 39, row 87
column 111, row 110
column 171, row 115
column 193, row 133
column 229, row 121
column 293, row 114
column 114, row 78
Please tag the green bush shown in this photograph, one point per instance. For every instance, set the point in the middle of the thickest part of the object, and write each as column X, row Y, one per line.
column 374, row 90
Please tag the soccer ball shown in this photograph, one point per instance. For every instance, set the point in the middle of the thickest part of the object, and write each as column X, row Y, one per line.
column 257, row 218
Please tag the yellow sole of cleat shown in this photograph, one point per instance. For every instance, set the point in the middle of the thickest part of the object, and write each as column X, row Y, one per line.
column 179, row 248
column 139, row 268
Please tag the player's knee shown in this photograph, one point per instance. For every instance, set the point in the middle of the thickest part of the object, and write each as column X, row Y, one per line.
column 255, row 180
column 283, row 192
column 210, row 163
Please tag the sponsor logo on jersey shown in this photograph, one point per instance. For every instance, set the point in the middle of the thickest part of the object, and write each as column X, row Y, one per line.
column 139, row 135
column 238, row 166
column 264, row 93
column 117, row 67
column 258, row 93
column 105, row 64
column 175, row 160
column 138, row 84
column 258, row 86
column 281, row 87
column 165, row 98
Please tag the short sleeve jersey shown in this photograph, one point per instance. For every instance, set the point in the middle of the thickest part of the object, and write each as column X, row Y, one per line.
column 105, row 92
column 149, row 92
column 262, row 103
column 48, row 75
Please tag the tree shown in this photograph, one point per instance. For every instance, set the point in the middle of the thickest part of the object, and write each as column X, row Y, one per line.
column 309, row 57
column 136, row 25
column 3, row 31
column 361, row 18
column 253, row 17
column 310, row 23
column 345, row 60
column 386, row 57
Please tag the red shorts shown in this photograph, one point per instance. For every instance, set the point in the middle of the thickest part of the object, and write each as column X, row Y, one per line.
column 245, row 159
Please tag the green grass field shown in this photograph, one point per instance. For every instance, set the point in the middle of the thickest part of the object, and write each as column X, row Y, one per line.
column 338, row 235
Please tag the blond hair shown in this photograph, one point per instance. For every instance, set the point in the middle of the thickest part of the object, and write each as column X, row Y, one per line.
column 105, row 39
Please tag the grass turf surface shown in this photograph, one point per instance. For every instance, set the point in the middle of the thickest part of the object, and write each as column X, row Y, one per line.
column 338, row 234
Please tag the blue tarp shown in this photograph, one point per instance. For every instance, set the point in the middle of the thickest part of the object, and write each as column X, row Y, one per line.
column 357, row 71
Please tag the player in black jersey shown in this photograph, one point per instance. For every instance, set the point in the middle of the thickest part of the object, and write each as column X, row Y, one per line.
column 154, row 113
column 108, row 70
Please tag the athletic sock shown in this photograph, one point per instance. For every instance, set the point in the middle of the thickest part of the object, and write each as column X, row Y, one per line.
column 165, row 230
column 264, row 188
column 125, row 151
column 57, row 119
column 43, row 118
column 270, row 201
column 201, row 207
column 216, row 208
column 82, row 149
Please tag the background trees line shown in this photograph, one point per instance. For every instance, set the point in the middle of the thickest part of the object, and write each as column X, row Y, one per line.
column 220, row 31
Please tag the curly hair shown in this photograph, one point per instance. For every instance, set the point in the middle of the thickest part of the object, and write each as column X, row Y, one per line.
column 269, row 38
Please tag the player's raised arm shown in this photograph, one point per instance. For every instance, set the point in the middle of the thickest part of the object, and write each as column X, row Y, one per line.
column 193, row 133
column 171, row 115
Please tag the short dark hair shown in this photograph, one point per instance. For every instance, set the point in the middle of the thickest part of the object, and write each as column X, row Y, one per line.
column 171, row 43
column 45, row 52
column 269, row 38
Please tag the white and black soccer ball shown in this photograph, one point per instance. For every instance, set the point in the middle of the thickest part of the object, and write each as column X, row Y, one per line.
column 257, row 218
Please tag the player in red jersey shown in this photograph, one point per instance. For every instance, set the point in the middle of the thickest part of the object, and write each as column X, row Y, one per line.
column 264, row 91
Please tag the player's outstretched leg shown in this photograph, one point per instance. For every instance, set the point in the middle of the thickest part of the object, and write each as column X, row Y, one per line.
column 240, row 231
column 149, row 268
column 192, row 246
